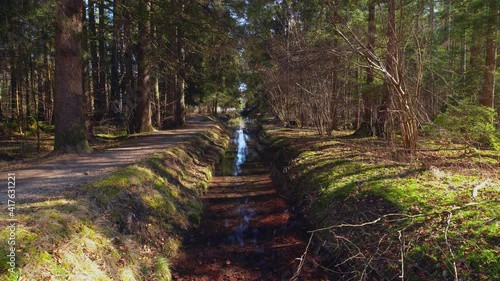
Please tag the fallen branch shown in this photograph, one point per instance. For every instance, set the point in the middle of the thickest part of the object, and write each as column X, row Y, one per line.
column 303, row 257
column 401, row 239
column 404, row 216
column 448, row 220
column 479, row 186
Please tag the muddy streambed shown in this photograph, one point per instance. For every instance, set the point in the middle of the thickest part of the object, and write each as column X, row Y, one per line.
column 248, row 231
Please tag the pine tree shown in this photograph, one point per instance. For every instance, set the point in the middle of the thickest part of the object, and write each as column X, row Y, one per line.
column 68, row 95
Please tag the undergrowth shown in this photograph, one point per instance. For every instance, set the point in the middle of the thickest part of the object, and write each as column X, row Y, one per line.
column 381, row 219
column 123, row 227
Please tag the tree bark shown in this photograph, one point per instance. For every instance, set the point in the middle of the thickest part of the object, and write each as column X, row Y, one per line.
column 68, row 96
column 143, row 112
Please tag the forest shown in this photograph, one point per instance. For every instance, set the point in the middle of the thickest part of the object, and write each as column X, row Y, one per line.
column 367, row 112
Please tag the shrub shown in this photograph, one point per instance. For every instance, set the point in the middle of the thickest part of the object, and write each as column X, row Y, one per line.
column 471, row 123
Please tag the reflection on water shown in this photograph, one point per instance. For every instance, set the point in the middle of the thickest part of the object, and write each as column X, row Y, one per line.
column 242, row 152
column 243, row 230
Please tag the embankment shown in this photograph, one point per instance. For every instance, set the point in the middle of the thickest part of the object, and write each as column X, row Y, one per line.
column 380, row 219
column 123, row 227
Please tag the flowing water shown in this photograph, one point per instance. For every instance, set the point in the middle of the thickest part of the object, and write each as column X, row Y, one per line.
column 248, row 231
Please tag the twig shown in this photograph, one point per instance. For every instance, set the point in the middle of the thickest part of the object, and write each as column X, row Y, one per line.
column 403, row 216
column 350, row 225
column 449, row 246
column 302, row 260
column 401, row 239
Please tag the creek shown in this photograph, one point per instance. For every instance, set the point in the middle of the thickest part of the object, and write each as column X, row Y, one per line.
column 248, row 231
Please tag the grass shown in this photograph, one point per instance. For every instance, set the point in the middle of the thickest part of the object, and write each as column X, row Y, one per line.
column 123, row 227
column 339, row 181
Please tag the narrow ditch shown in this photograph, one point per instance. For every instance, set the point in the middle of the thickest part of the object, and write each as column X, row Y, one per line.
column 248, row 231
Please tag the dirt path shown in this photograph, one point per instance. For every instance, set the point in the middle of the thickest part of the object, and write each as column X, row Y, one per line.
column 55, row 177
column 248, row 231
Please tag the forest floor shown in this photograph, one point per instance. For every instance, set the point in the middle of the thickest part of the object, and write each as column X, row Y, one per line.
column 53, row 176
column 381, row 217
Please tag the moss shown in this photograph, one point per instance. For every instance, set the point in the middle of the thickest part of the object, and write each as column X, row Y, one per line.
column 117, row 227
column 350, row 181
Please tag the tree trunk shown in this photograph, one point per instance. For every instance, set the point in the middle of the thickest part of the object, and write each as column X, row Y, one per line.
column 180, row 107
column 332, row 118
column 49, row 85
column 94, row 61
column 101, row 102
column 14, row 104
column 68, row 96
column 157, row 106
column 86, row 80
column 365, row 128
column 143, row 112
column 27, row 88
column 170, row 102
column 488, row 93
column 128, row 103
column 115, row 105
column 404, row 102
column 447, row 25
column 155, row 78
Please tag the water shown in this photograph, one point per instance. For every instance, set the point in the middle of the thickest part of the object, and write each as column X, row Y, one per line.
column 248, row 232
column 242, row 150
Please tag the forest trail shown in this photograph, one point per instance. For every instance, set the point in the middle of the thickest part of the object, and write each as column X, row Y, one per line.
column 55, row 177
column 248, row 231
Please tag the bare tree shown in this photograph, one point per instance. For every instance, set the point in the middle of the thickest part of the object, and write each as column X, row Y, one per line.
column 398, row 99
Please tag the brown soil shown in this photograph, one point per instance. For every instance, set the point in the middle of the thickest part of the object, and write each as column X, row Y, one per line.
column 248, row 232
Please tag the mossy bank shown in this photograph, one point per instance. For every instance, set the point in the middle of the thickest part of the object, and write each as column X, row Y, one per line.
column 382, row 219
column 123, row 227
